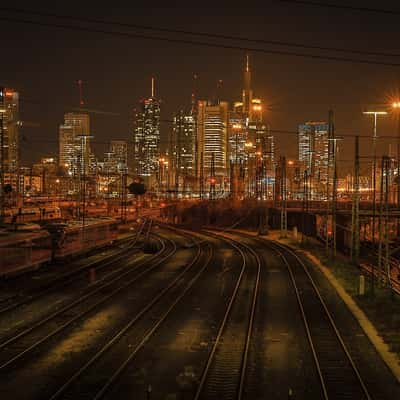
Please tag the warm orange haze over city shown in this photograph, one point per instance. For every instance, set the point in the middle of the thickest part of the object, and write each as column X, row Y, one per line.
column 200, row 201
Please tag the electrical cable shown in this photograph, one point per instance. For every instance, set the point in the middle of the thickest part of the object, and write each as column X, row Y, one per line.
column 199, row 33
column 342, row 6
column 200, row 43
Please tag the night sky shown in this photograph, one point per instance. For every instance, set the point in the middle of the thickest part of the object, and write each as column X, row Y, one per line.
column 44, row 63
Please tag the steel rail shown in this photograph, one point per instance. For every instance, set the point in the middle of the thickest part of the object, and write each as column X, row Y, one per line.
column 61, row 281
column 275, row 246
column 78, row 301
column 222, row 328
column 131, row 323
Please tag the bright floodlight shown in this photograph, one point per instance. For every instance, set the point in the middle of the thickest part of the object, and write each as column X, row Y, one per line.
column 375, row 112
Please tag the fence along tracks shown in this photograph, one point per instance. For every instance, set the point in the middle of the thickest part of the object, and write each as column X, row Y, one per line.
column 338, row 374
column 224, row 373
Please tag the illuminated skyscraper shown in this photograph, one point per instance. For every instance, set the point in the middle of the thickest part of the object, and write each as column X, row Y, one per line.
column 250, row 146
column 119, row 149
column 313, row 148
column 212, row 122
column 313, row 154
column 73, row 151
column 182, row 148
column 9, row 131
column 147, row 137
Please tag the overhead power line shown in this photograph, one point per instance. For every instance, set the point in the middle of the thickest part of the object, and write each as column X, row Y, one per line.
column 198, row 33
column 199, row 43
column 345, row 7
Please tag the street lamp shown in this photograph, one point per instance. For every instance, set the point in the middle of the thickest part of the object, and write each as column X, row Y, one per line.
column 374, row 139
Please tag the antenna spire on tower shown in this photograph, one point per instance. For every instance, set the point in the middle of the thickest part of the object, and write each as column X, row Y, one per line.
column 247, row 94
column 152, row 86
column 194, row 92
column 80, row 84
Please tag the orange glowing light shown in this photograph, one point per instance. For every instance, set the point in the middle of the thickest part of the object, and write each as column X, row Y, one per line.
column 396, row 104
column 212, row 180
column 9, row 94
column 290, row 162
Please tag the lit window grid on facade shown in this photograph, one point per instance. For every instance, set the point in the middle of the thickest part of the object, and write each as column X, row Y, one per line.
column 147, row 138
column 9, row 104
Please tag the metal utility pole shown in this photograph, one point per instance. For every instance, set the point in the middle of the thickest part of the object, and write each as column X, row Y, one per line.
column 374, row 142
column 212, row 178
column 123, row 196
column 2, row 200
column 330, row 144
column 355, row 223
column 380, row 224
column 201, row 175
column 334, row 194
column 386, row 233
column 398, row 173
column 384, row 216
column 109, row 154
column 334, row 197
column 304, row 204
column 374, row 182
column 82, row 174
column 283, row 198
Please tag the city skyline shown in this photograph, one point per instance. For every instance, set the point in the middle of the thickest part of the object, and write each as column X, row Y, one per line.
column 200, row 201
column 281, row 80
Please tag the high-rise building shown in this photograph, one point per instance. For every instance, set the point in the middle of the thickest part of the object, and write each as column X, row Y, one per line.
column 313, row 155
column 66, row 144
column 9, row 131
column 212, row 122
column 183, row 150
column 147, row 137
column 313, row 148
column 74, row 143
column 251, row 146
column 119, row 149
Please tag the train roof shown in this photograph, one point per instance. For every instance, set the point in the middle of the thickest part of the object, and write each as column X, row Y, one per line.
column 77, row 224
column 13, row 238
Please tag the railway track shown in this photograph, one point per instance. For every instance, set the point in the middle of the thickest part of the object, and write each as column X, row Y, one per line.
column 12, row 303
column 224, row 373
column 87, row 382
column 338, row 374
column 21, row 344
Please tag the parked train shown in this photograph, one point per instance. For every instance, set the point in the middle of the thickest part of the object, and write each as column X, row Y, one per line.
column 21, row 250
column 31, row 214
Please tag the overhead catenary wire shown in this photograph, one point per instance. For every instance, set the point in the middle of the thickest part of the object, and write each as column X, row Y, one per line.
column 343, row 6
column 191, row 42
column 197, row 33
